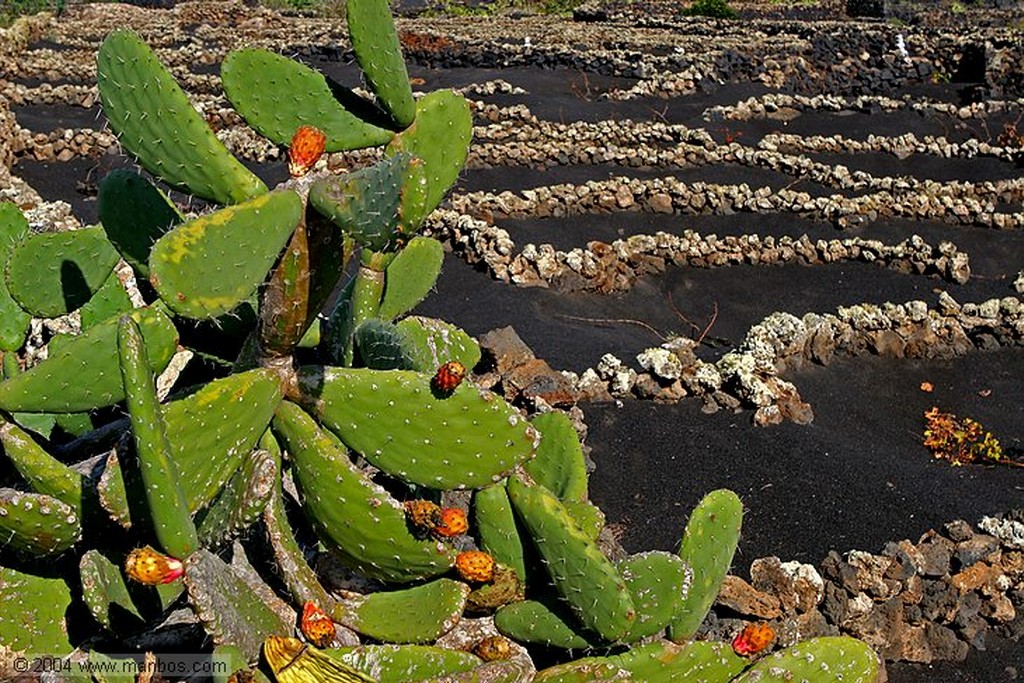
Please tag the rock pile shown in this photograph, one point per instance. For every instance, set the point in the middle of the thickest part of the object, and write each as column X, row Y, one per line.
column 750, row 376
column 927, row 601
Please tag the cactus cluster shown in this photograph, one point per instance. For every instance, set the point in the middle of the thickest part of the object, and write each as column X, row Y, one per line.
column 314, row 406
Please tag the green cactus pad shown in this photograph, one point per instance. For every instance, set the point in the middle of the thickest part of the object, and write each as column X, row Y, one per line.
column 210, row 265
column 404, row 663
column 582, row 574
column 229, row 660
column 411, row 276
column 560, row 465
column 43, row 472
column 135, row 214
column 495, row 525
column 588, row 517
column 657, row 662
column 437, row 607
column 364, row 204
column 33, row 613
column 53, row 273
column 230, row 611
column 380, row 346
column 241, row 502
column 532, row 621
column 213, row 430
column 440, row 137
column 301, row 581
column 105, row 591
column 155, row 121
column 83, row 374
column 431, row 343
column 110, row 301
column 277, row 95
column 37, row 524
column 13, row 320
column 709, row 543
column 375, row 42
column 357, row 519
column 467, row 439
column 507, row 671
column 832, row 659
column 167, row 505
column 656, row 580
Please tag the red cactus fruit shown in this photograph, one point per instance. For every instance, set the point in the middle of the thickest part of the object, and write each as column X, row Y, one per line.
column 475, row 566
column 453, row 522
column 150, row 567
column 493, row 648
column 305, row 149
column 316, row 625
column 449, row 376
column 753, row 639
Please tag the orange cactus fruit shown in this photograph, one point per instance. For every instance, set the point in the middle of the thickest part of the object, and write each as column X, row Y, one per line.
column 753, row 639
column 151, row 567
column 423, row 514
column 449, row 376
column 316, row 625
column 475, row 566
column 306, row 148
column 493, row 648
column 453, row 522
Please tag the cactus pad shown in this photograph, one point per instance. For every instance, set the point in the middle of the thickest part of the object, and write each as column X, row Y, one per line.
column 355, row 518
column 409, row 278
column 103, row 588
column 404, row 663
column 380, row 346
column 532, row 621
column 53, row 273
column 584, row 577
column 154, row 119
column 364, row 204
column 292, row 661
column 230, row 611
column 110, row 301
column 83, row 374
column 379, row 53
column 277, row 95
column 496, row 528
column 439, row 137
column 832, row 659
column 656, row 581
column 559, row 465
column 33, row 613
column 44, row 473
column 13, row 320
column 135, row 214
column 709, row 543
column 430, row 343
column 657, row 662
column 212, row 264
column 467, row 439
column 437, row 605
column 167, row 506
column 242, row 500
column 37, row 524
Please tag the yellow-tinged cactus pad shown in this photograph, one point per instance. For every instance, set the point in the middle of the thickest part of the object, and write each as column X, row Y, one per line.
column 210, row 265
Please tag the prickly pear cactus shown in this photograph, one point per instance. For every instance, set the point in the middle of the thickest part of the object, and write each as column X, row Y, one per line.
column 267, row 417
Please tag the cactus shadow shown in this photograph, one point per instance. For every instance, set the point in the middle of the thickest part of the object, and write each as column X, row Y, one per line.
column 74, row 288
column 362, row 108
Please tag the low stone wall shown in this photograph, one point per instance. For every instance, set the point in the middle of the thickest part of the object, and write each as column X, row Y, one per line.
column 927, row 601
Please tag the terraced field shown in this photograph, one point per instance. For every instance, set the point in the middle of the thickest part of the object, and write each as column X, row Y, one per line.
column 740, row 248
